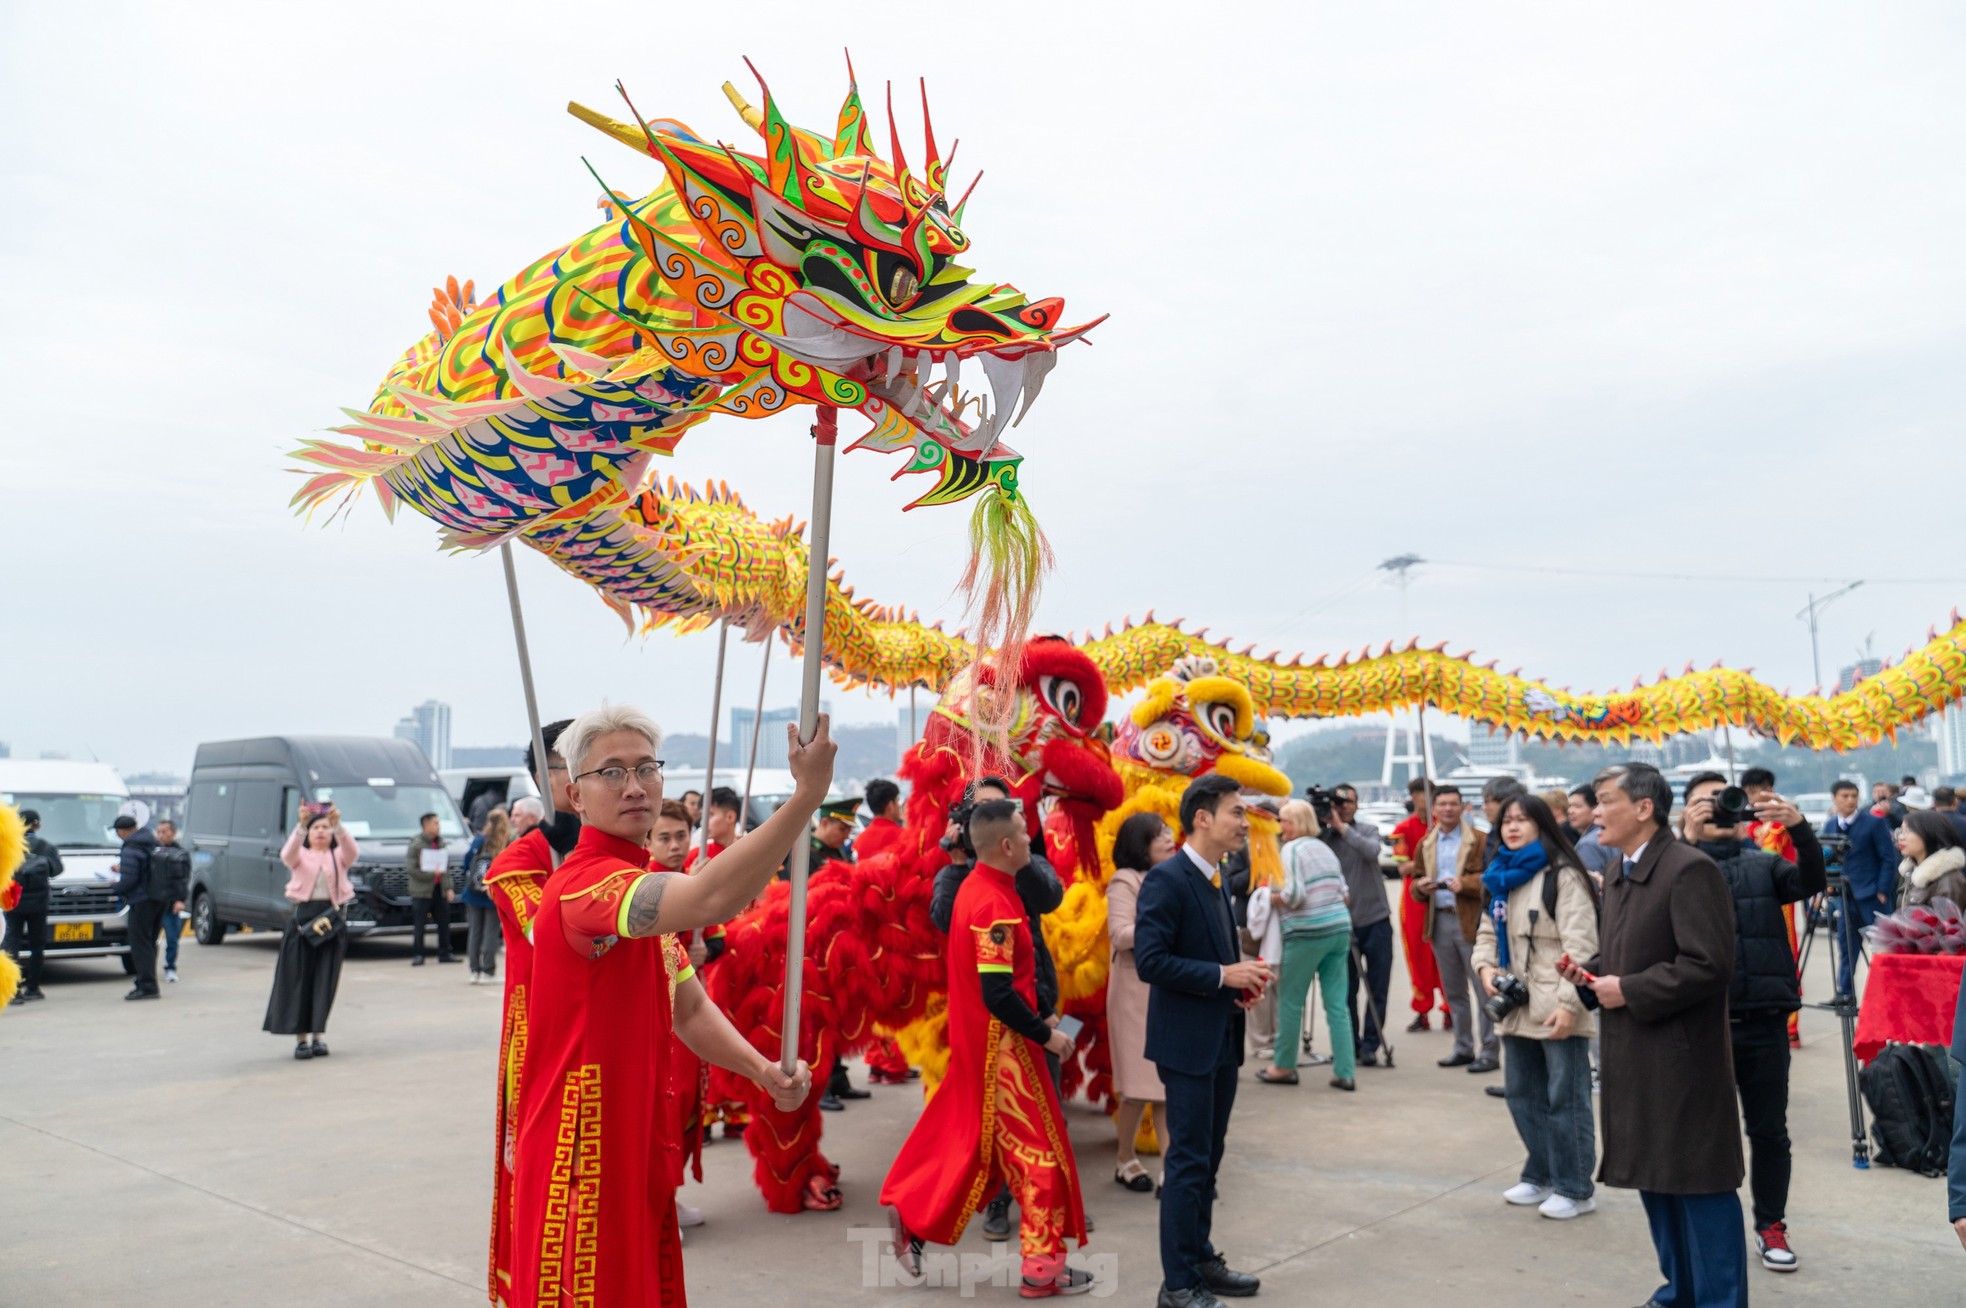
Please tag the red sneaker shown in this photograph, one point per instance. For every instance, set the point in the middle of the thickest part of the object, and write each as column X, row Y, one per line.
column 1772, row 1243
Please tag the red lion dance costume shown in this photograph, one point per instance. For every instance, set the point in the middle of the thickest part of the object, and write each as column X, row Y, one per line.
column 873, row 959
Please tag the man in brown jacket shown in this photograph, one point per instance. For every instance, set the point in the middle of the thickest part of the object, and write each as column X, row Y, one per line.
column 1672, row 1128
column 1447, row 879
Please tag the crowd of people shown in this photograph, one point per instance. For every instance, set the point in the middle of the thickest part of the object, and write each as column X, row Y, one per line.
column 1594, row 942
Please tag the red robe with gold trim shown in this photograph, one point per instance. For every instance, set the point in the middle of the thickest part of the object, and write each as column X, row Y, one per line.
column 995, row 1114
column 514, row 880
column 597, row 1150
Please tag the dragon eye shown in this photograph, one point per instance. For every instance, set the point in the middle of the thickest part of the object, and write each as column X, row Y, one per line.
column 1064, row 697
column 1221, row 719
column 902, row 285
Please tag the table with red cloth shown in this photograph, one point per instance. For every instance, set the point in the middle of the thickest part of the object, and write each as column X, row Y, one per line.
column 1910, row 998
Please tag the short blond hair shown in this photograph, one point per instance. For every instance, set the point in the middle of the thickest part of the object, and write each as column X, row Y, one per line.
column 1299, row 813
column 583, row 731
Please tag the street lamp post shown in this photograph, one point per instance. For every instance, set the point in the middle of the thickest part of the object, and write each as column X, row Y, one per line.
column 1808, row 615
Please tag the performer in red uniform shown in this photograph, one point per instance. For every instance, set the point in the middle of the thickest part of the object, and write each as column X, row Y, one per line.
column 515, row 880
column 995, row 1115
column 1421, row 969
column 598, row 1142
column 884, row 830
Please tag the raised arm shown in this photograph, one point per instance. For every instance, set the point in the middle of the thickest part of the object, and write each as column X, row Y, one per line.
column 290, row 852
column 665, row 902
column 1039, row 887
column 346, row 851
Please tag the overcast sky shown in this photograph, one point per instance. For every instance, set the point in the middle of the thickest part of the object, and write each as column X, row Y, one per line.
column 1667, row 289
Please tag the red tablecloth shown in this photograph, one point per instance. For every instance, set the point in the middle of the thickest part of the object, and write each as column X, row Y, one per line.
column 1909, row 998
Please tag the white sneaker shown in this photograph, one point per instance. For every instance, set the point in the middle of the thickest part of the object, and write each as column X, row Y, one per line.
column 170, row 975
column 688, row 1216
column 1563, row 1208
column 1524, row 1194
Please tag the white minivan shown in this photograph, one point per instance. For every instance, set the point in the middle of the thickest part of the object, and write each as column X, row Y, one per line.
column 78, row 803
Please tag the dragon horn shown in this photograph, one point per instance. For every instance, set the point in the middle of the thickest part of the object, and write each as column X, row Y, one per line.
column 932, row 168
column 752, row 118
column 850, row 135
column 634, row 137
column 894, row 140
column 784, row 160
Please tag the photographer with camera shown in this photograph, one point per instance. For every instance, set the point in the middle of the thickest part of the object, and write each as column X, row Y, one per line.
column 1356, row 846
column 1542, row 908
column 1719, row 821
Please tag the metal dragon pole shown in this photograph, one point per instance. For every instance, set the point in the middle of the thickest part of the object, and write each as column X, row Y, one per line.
column 525, row 678
column 757, row 730
column 710, row 764
column 826, row 434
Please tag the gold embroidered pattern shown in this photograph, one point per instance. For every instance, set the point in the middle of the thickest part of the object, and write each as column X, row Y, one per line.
column 569, row 1245
column 523, row 891
column 996, row 946
column 987, row 1138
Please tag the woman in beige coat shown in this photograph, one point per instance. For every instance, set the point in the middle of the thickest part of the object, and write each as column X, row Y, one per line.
column 1545, row 1036
column 1142, row 841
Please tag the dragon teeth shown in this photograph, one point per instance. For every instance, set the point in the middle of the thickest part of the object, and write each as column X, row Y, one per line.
column 1006, row 377
column 1037, row 366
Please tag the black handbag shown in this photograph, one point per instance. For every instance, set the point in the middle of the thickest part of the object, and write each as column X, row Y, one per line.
column 323, row 927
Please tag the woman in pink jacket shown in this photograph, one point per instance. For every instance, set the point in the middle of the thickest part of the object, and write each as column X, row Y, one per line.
column 318, row 854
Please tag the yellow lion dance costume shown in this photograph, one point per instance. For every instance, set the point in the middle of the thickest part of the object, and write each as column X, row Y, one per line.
column 1193, row 721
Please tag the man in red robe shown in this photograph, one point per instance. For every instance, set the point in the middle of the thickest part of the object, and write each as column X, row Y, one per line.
column 515, row 881
column 996, row 1115
column 1421, row 968
column 598, row 1142
column 883, row 831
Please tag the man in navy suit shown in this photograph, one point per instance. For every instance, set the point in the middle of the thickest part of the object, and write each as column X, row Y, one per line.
column 1871, row 867
column 1184, row 947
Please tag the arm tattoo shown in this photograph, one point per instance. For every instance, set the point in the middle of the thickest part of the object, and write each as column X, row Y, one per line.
column 646, row 905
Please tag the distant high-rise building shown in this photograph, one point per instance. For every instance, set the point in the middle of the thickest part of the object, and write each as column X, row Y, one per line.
column 1952, row 741
column 1856, row 672
column 1492, row 749
column 771, row 736
column 6, row 750
column 429, row 725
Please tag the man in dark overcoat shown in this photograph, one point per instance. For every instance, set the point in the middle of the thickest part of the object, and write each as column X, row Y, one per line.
column 1671, row 1125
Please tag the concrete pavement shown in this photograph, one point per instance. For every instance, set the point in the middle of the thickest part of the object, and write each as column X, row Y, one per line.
column 171, row 1153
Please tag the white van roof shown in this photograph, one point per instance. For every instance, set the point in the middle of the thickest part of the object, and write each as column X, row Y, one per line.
column 58, row 776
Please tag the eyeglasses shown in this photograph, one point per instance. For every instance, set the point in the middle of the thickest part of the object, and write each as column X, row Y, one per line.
column 615, row 778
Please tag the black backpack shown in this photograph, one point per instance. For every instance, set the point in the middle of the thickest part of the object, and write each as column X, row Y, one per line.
column 170, row 874
column 1910, row 1097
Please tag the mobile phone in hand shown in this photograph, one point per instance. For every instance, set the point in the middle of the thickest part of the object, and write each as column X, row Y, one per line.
column 1070, row 1028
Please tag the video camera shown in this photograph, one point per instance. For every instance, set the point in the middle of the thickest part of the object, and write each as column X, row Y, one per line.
column 960, row 815
column 1322, row 801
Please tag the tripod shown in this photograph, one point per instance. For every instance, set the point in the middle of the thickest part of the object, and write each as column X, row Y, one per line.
column 1816, row 910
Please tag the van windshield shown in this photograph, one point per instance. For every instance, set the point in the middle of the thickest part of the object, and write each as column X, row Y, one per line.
column 391, row 812
column 74, row 821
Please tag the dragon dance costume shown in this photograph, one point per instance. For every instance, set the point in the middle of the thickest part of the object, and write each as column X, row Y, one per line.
column 996, row 1115
column 598, row 1145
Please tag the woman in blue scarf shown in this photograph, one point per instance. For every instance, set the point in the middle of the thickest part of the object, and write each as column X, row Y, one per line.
column 1542, row 907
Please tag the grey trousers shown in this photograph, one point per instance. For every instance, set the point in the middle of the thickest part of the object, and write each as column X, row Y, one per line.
column 484, row 939
column 1458, row 983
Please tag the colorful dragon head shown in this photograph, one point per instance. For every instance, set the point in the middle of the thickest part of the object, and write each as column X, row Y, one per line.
column 1052, row 749
column 1196, row 720
column 823, row 274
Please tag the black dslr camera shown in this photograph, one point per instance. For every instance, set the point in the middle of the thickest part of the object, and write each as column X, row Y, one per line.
column 1511, row 993
column 1732, row 808
column 1321, row 802
column 960, row 815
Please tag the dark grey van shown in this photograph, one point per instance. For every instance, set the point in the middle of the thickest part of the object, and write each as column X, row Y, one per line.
column 245, row 797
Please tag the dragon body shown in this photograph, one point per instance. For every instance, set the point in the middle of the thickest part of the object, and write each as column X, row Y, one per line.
column 874, row 962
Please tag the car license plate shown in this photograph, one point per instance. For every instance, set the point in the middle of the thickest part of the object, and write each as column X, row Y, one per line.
column 74, row 931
